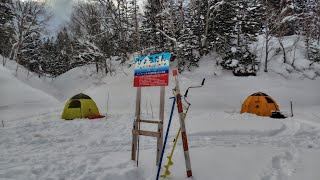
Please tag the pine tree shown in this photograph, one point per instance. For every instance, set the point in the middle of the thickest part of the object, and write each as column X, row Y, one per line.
column 6, row 30
column 190, row 49
column 64, row 52
column 248, row 25
column 311, row 14
column 152, row 21
column 49, row 56
column 30, row 55
column 221, row 38
column 198, row 12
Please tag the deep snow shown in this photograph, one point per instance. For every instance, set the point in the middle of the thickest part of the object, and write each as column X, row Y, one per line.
column 36, row 144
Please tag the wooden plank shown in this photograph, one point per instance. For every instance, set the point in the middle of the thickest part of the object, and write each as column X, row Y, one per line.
column 146, row 133
column 135, row 124
column 150, row 121
column 160, row 125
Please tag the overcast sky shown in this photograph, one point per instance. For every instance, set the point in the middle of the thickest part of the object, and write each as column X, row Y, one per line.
column 61, row 10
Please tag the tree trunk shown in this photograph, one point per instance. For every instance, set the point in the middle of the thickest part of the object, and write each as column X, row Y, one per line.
column 267, row 54
column 3, row 61
column 307, row 47
column 267, row 51
column 204, row 43
column 17, row 67
column 97, row 66
column 106, row 67
column 199, row 30
column 136, row 27
column 238, row 36
column 284, row 51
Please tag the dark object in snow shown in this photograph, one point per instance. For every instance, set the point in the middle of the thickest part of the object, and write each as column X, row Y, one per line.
column 95, row 116
column 277, row 115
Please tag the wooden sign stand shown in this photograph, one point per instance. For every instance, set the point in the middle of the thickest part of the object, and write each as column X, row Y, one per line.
column 136, row 131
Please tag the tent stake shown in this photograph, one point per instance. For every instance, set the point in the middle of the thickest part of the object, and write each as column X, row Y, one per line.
column 107, row 105
column 291, row 109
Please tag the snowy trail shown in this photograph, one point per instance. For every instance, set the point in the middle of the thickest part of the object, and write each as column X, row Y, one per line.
column 45, row 139
column 54, row 139
column 287, row 135
column 282, row 166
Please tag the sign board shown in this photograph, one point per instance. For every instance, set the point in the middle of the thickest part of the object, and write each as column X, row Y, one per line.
column 152, row 70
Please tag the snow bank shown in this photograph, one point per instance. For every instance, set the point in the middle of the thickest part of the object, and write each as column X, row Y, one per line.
column 19, row 99
column 296, row 66
column 30, row 78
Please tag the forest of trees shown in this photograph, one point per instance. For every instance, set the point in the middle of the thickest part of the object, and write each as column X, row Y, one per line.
column 101, row 29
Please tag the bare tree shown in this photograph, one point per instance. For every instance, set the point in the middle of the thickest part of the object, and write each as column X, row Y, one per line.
column 283, row 21
column 29, row 18
column 87, row 17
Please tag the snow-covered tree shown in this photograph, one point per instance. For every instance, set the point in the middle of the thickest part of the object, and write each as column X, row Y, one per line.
column 49, row 57
column 29, row 18
column 312, row 29
column 64, row 51
column 6, row 16
column 221, row 38
column 248, row 25
column 150, row 23
column 269, row 16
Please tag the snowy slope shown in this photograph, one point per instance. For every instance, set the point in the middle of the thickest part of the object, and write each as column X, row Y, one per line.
column 19, row 99
column 31, row 79
column 224, row 144
column 297, row 65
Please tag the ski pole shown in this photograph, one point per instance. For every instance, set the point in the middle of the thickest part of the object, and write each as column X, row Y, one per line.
column 165, row 139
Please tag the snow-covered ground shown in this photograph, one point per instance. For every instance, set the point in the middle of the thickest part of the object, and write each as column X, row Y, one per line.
column 225, row 145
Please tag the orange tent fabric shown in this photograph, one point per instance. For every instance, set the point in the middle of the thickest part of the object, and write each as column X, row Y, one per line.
column 260, row 104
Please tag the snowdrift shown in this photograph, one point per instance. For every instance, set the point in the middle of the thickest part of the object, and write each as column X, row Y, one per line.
column 20, row 100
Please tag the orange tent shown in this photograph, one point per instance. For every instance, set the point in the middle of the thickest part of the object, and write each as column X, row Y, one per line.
column 260, row 104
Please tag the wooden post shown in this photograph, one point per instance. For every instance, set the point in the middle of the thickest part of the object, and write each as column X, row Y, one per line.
column 135, row 124
column 160, row 125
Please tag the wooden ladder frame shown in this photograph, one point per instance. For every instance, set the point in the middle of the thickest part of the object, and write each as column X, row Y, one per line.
column 136, row 132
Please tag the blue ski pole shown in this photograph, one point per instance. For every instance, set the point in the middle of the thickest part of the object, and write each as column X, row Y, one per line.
column 165, row 139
